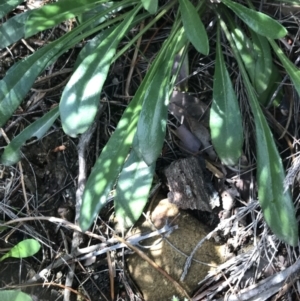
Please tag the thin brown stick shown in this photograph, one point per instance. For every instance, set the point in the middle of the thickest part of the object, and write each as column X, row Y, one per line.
column 133, row 62
column 111, row 276
column 54, row 220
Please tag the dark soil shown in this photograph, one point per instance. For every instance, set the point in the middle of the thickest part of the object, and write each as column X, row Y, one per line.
column 45, row 182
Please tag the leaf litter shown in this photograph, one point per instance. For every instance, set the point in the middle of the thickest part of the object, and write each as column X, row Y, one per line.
column 49, row 177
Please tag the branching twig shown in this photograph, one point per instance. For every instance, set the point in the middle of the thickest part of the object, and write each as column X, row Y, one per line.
column 84, row 141
column 96, row 250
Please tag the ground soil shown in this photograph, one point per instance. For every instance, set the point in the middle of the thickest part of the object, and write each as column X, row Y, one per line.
column 45, row 182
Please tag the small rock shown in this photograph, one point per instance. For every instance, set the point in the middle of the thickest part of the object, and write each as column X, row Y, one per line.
column 169, row 254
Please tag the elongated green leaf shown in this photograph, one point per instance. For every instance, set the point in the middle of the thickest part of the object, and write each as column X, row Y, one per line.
column 257, row 21
column 133, row 188
column 109, row 165
column 150, row 5
column 52, row 14
column 225, row 119
column 25, row 248
column 257, row 58
column 80, row 98
column 277, row 205
column 256, row 55
column 95, row 11
column 263, row 62
column 152, row 122
column 22, row 75
column 290, row 68
column 37, row 129
column 19, row 78
column 8, row 6
column 14, row 295
column 13, row 30
column 193, row 26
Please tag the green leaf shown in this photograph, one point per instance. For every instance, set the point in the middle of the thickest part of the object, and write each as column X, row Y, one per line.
column 37, row 129
column 52, row 14
column 132, row 190
column 276, row 203
column 152, row 122
column 23, row 249
column 108, row 166
column 193, row 26
column 289, row 67
column 80, row 98
column 20, row 77
column 94, row 12
column 14, row 295
column 257, row 21
column 8, row 6
column 257, row 58
column 225, row 119
column 150, row 5
column 13, row 30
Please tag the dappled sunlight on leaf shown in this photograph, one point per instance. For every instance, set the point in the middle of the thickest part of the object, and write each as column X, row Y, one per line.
column 151, row 127
column 13, row 30
column 257, row 21
column 277, row 205
column 290, row 68
column 54, row 13
column 225, row 120
column 14, row 295
column 37, row 129
column 87, row 81
column 109, row 165
column 193, row 26
column 20, row 78
column 132, row 189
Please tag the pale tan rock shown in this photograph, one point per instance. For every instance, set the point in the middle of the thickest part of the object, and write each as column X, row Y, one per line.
column 151, row 283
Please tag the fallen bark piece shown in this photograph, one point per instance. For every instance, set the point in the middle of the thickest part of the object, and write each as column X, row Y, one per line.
column 187, row 186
